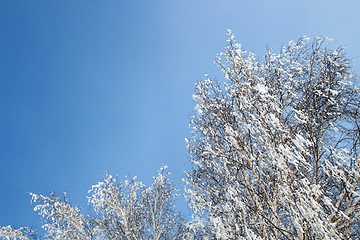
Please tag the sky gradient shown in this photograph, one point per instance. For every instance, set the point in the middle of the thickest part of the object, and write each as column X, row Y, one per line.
column 94, row 86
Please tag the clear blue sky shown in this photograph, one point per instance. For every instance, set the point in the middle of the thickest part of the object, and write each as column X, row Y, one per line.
column 89, row 86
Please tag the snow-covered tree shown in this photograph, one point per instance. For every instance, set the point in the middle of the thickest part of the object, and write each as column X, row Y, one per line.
column 128, row 210
column 275, row 148
column 121, row 210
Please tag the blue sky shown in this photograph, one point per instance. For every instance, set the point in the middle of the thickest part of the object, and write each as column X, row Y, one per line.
column 90, row 86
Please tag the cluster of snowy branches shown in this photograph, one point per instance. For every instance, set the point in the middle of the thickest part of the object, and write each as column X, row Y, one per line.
column 121, row 210
column 274, row 152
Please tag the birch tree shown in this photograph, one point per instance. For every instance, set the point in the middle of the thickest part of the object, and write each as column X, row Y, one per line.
column 275, row 147
column 120, row 210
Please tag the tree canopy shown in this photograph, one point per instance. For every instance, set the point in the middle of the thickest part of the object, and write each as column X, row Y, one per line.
column 275, row 148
